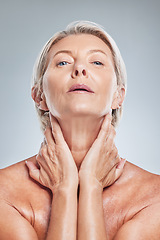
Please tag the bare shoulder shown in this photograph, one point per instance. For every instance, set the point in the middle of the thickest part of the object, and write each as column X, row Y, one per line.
column 133, row 198
column 24, row 199
column 136, row 183
column 16, row 185
column 141, row 187
column 142, row 180
column 15, row 178
column 142, row 191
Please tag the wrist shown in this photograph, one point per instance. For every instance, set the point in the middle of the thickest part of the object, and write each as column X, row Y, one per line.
column 89, row 182
column 65, row 188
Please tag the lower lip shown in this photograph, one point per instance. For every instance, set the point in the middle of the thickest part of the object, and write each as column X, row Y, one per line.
column 80, row 92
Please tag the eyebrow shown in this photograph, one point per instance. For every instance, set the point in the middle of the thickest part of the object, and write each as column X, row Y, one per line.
column 62, row 51
column 98, row 50
column 89, row 52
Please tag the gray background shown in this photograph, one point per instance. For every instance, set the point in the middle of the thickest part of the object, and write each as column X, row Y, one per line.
column 24, row 28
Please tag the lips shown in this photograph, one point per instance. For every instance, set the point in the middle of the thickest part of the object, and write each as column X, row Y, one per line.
column 80, row 88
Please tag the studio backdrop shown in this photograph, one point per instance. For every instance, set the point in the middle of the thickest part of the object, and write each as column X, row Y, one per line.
column 134, row 25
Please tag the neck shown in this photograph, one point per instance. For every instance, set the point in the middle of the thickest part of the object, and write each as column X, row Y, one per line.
column 80, row 133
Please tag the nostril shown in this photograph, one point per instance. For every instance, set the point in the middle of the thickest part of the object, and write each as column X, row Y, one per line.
column 84, row 72
column 76, row 72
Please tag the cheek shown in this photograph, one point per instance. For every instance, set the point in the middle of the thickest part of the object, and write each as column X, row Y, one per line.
column 108, row 86
column 53, row 90
column 50, row 88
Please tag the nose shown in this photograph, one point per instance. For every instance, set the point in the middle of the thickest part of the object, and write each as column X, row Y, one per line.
column 79, row 71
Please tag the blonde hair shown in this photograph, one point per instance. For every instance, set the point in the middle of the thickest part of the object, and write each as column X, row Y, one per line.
column 78, row 27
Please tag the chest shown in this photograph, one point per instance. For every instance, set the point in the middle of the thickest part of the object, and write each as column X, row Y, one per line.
column 113, row 216
column 115, row 210
column 117, row 207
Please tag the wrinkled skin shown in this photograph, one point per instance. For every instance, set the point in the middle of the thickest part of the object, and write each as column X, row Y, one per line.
column 115, row 197
column 57, row 166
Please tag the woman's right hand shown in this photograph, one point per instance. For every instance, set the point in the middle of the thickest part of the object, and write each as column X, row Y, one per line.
column 57, row 167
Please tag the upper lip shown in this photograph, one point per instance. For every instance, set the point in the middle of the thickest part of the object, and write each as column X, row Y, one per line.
column 80, row 86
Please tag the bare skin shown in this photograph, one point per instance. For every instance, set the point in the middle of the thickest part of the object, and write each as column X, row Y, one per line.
column 31, row 203
column 115, row 200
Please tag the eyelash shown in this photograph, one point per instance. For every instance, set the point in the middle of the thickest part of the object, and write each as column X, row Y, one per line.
column 98, row 63
column 59, row 64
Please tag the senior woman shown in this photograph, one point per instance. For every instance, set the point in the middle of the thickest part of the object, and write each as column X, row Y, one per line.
column 77, row 186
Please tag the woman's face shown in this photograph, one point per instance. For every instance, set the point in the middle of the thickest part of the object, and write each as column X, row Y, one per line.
column 75, row 62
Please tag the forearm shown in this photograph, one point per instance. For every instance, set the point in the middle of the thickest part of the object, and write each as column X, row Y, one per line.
column 91, row 224
column 63, row 220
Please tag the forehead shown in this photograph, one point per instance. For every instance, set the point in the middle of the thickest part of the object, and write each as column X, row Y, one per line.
column 80, row 42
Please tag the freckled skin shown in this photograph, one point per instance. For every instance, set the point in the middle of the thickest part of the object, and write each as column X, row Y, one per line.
column 132, row 200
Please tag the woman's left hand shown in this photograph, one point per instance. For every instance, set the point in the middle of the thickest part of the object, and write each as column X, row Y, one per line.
column 102, row 162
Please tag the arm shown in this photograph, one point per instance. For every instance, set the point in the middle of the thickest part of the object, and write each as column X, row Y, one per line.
column 100, row 168
column 59, row 173
column 63, row 221
column 90, row 213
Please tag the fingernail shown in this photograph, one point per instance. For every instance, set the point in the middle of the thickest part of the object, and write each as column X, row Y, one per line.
column 121, row 163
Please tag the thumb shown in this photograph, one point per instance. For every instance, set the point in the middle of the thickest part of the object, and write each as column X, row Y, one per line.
column 105, row 127
column 119, row 168
column 33, row 170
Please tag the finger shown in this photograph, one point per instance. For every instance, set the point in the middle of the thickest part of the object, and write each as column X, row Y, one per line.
column 56, row 130
column 105, row 127
column 44, row 160
column 114, row 157
column 46, row 153
column 121, row 163
column 33, row 170
column 42, row 144
column 119, row 168
column 110, row 139
column 49, row 137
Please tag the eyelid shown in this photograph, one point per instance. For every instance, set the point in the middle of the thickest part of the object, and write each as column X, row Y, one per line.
column 98, row 62
column 62, row 57
column 97, row 57
column 58, row 63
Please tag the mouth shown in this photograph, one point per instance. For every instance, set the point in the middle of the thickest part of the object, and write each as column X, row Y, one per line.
column 80, row 88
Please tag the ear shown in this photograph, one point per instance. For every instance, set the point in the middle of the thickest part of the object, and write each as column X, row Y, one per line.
column 40, row 100
column 118, row 98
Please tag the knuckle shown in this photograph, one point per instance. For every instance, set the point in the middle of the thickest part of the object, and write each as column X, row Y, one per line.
column 43, row 151
column 31, row 174
column 114, row 153
column 50, row 150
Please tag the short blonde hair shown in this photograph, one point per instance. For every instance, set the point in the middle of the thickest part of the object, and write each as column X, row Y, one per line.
column 78, row 27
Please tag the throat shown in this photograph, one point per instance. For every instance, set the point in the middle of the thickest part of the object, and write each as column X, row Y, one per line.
column 80, row 133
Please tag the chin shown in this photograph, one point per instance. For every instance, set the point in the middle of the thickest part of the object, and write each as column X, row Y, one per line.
column 81, row 110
